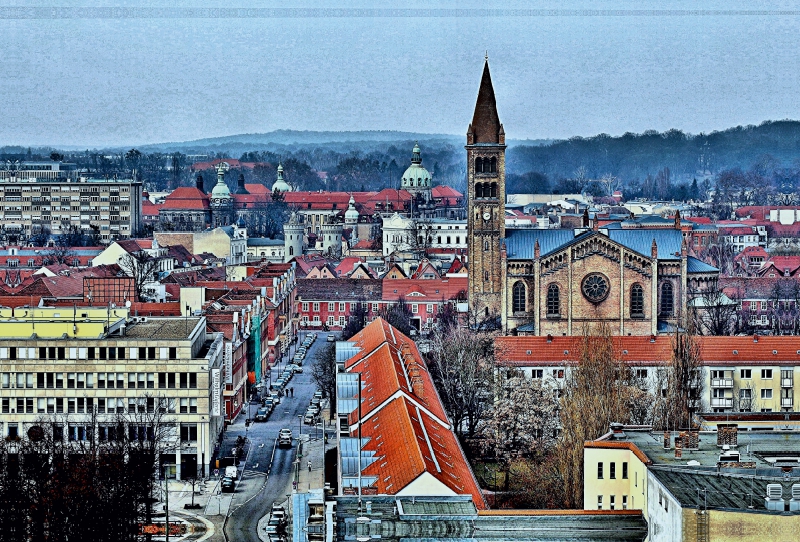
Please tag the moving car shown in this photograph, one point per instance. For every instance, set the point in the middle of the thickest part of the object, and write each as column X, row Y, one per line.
column 285, row 437
column 227, row 485
column 262, row 414
column 331, row 338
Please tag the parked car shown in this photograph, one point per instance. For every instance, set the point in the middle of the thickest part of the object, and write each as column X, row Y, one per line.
column 276, row 398
column 313, row 408
column 298, row 359
column 331, row 338
column 296, row 369
column 318, row 395
column 227, row 485
column 309, row 418
column 285, row 437
column 262, row 414
column 277, row 508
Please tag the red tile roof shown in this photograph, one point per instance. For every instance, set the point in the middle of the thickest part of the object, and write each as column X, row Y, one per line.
column 431, row 290
column 714, row 351
column 258, row 189
column 402, row 416
column 186, row 197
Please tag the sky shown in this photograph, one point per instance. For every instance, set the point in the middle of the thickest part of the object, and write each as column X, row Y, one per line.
column 153, row 71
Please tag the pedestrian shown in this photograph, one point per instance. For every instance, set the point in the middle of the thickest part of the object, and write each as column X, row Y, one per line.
column 309, row 465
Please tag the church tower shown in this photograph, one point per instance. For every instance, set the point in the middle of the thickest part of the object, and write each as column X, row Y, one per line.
column 486, row 193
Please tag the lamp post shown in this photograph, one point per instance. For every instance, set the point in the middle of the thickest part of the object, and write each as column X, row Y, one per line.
column 166, row 502
column 300, row 424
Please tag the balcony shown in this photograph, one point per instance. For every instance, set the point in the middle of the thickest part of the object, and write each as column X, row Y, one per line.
column 787, row 402
column 722, row 382
column 722, row 402
column 787, row 382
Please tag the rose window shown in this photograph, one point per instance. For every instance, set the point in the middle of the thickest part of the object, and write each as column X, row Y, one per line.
column 595, row 287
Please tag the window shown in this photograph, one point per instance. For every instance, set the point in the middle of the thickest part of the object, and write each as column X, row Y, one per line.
column 612, row 471
column 624, row 502
column 414, row 308
column 766, row 374
column 746, row 394
column 316, row 306
column 599, row 502
column 667, row 300
column 518, row 297
column 305, row 306
column 553, row 302
column 624, row 470
column 611, row 502
column 637, row 301
column 486, row 246
column 331, row 306
column 745, row 373
column 766, row 393
column 486, row 276
column 600, row 471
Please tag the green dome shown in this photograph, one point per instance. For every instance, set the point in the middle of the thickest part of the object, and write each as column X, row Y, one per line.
column 416, row 176
column 280, row 184
column 221, row 190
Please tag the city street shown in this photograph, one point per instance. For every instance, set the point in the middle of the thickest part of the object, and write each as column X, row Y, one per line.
column 268, row 469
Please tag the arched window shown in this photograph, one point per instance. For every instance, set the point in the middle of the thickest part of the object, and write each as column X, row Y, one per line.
column 486, row 245
column 667, row 300
column 493, row 190
column 553, row 301
column 479, row 190
column 518, row 297
column 486, row 275
column 637, row 301
column 291, row 251
column 493, row 165
column 479, row 165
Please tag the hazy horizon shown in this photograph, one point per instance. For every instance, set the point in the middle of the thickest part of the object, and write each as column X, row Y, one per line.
column 150, row 73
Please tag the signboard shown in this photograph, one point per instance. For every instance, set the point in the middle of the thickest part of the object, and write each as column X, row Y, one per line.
column 215, row 392
column 228, row 357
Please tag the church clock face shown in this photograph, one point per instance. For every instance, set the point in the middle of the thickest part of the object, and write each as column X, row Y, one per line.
column 595, row 287
column 487, row 215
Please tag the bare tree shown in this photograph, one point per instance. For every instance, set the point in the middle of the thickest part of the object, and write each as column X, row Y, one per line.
column 713, row 312
column 324, row 372
column 462, row 365
column 142, row 267
column 683, row 382
column 597, row 391
column 522, row 421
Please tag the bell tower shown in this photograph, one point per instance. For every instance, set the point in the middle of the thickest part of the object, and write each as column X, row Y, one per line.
column 486, row 193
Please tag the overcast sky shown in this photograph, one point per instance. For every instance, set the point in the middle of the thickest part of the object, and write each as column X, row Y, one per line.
column 86, row 77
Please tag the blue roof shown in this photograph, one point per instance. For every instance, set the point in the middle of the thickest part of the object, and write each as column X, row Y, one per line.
column 668, row 241
column 693, row 265
column 519, row 243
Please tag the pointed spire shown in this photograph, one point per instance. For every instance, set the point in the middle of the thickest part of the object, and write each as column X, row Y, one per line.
column 485, row 125
column 654, row 249
column 677, row 220
column 536, row 249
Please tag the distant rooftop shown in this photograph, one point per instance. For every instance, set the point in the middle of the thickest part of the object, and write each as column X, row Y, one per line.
column 162, row 328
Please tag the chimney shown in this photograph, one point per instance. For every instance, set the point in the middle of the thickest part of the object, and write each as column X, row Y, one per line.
column 586, row 218
column 654, row 249
column 678, row 448
column 595, row 223
column 199, row 183
column 240, row 182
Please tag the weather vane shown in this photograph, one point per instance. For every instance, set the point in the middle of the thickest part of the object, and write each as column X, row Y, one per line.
column 486, row 58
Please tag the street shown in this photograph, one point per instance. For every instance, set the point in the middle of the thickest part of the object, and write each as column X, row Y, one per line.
column 268, row 469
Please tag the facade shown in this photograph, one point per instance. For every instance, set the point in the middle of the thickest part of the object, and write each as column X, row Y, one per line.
column 87, row 368
column 33, row 201
column 228, row 242
column 740, row 374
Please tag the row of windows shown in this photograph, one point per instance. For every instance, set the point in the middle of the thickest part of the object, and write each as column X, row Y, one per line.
column 107, row 433
column 486, row 190
column 553, row 300
column 98, row 380
column 486, row 165
column 612, row 502
column 97, row 405
column 332, row 307
column 612, row 470
column 91, row 352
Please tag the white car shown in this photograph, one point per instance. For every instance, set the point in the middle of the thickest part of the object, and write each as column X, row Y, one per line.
column 295, row 368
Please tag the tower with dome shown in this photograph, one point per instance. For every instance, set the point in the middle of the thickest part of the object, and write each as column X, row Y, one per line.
column 221, row 200
column 417, row 181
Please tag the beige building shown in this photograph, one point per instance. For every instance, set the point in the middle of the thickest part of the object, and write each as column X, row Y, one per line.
column 39, row 196
column 86, row 368
column 229, row 242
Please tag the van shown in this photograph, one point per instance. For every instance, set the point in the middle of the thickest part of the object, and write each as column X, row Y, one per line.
column 231, row 472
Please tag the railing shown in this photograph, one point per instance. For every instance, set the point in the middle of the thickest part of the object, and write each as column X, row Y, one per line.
column 787, row 401
column 721, row 382
column 721, row 402
column 787, row 382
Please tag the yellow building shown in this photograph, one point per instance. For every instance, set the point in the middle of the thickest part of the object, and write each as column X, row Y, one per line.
column 87, row 367
column 614, row 476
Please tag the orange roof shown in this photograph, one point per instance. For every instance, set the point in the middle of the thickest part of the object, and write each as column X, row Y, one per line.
column 424, row 290
column 618, row 445
column 257, row 189
column 646, row 350
column 408, row 443
column 186, row 197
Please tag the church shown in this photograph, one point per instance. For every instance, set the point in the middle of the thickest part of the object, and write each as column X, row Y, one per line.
column 637, row 280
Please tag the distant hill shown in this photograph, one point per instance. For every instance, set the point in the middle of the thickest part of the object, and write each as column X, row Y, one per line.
column 773, row 144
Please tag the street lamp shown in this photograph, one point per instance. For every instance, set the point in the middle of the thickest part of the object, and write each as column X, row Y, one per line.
column 300, row 423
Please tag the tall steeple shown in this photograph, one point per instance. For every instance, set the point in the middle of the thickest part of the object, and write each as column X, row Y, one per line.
column 485, row 127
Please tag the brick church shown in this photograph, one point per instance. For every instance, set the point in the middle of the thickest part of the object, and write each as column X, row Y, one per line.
column 555, row 281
